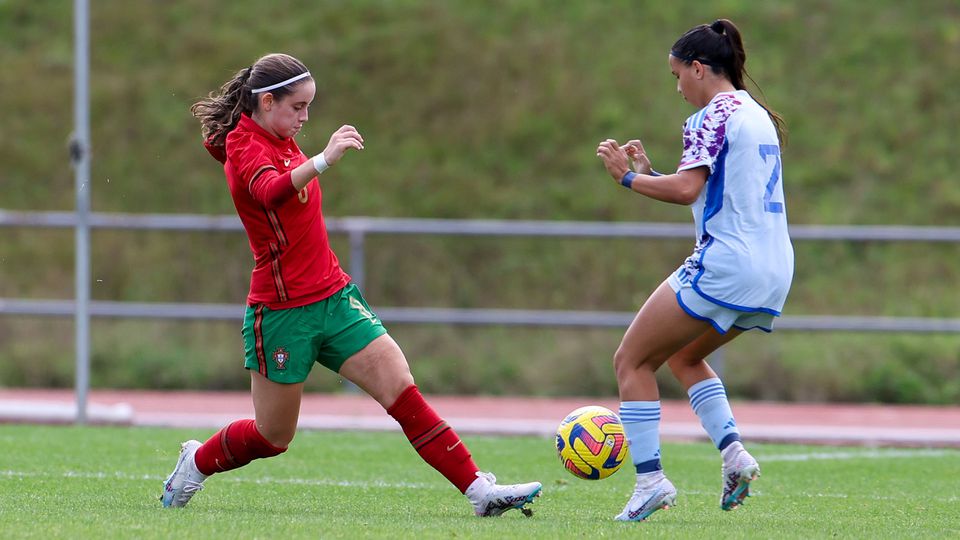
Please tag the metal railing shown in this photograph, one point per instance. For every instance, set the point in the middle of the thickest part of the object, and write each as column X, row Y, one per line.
column 358, row 228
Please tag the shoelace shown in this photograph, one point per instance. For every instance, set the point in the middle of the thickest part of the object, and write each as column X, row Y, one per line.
column 475, row 497
column 190, row 487
column 488, row 476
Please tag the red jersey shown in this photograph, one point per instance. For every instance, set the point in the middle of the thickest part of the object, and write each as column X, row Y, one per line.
column 293, row 262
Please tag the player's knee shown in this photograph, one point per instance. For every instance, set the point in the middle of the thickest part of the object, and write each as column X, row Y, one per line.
column 279, row 438
column 677, row 367
column 404, row 381
column 397, row 387
column 680, row 362
column 396, row 380
column 281, row 443
column 625, row 361
column 277, row 450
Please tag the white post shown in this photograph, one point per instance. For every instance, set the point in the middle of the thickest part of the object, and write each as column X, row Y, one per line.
column 80, row 158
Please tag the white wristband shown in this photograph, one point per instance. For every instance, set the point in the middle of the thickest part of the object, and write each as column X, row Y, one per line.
column 320, row 163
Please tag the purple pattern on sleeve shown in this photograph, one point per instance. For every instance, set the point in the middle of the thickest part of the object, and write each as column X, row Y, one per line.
column 703, row 140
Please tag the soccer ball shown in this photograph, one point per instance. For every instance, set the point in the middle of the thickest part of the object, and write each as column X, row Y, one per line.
column 591, row 443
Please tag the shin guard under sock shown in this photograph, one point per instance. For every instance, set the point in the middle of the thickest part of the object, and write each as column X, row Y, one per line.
column 232, row 447
column 436, row 442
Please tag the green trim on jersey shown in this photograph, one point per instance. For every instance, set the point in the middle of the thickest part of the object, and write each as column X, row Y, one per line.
column 283, row 344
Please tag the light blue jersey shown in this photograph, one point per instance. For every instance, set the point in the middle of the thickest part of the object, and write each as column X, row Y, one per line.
column 743, row 259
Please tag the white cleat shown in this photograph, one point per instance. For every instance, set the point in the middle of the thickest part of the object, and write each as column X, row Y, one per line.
column 647, row 498
column 490, row 499
column 739, row 470
column 185, row 480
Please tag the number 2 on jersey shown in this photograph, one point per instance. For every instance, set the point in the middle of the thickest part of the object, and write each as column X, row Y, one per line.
column 768, row 205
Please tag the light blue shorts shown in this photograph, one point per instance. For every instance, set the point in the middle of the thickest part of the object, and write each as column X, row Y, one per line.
column 722, row 318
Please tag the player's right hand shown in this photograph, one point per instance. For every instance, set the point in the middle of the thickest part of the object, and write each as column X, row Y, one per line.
column 342, row 139
column 638, row 156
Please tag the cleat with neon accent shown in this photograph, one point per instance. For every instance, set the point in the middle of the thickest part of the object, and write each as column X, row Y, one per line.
column 647, row 498
column 490, row 499
column 185, row 480
column 738, row 472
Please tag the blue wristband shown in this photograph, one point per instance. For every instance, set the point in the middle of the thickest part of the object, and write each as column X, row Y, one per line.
column 627, row 180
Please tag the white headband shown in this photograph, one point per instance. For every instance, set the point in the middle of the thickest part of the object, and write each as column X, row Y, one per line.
column 293, row 79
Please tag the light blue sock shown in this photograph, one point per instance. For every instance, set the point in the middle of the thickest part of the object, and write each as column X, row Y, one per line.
column 709, row 400
column 641, row 425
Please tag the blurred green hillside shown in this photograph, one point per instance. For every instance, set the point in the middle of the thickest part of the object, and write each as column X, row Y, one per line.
column 488, row 109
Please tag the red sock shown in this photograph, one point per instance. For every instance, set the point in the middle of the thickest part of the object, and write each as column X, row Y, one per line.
column 433, row 439
column 234, row 446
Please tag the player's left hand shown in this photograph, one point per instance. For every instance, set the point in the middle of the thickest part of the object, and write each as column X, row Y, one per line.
column 343, row 139
column 614, row 158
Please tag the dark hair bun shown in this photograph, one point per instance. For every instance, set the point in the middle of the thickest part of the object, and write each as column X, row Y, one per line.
column 718, row 26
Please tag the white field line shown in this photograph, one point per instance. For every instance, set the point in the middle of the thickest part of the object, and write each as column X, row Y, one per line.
column 853, row 454
column 396, row 485
column 811, row 456
column 237, row 480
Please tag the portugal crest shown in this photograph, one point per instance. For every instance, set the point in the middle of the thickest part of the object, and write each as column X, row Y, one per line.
column 280, row 357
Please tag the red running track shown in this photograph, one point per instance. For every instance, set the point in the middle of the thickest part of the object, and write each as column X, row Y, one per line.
column 874, row 425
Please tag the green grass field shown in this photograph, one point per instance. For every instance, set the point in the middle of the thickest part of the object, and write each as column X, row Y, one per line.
column 70, row 482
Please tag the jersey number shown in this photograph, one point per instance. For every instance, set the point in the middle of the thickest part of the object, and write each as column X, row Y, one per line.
column 768, row 205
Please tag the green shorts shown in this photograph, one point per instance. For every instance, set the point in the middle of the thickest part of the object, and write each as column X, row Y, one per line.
column 283, row 344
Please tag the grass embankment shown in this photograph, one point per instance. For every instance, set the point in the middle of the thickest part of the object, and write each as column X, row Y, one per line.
column 476, row 110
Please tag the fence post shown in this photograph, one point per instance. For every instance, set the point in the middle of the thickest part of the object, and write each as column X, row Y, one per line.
column 357, row 238
column 80, row 158
column 357, row 254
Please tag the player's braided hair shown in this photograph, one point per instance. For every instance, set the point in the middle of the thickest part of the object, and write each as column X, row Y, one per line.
column 220, row 111
column 720, row 46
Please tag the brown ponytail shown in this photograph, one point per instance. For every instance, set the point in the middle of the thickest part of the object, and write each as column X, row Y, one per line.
column 720, row 46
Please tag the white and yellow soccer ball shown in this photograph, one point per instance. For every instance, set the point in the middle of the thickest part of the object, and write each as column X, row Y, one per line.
column 591, row 443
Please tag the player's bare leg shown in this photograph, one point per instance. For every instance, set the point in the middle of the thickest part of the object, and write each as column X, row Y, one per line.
column 379, row 369
column 277, row 408
column 689, row 364
column 660, row 329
